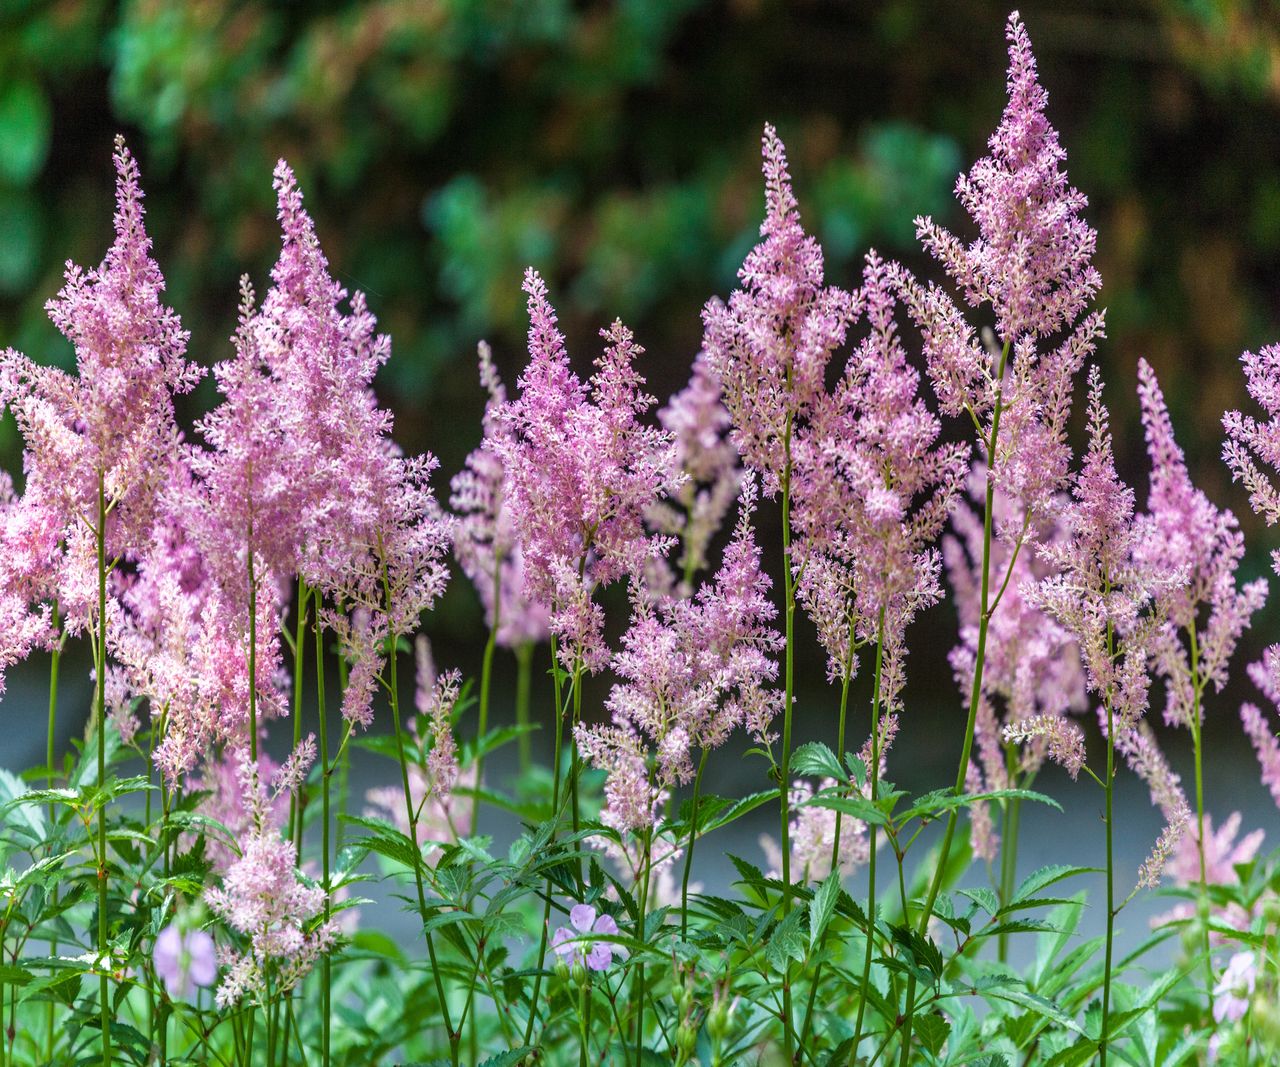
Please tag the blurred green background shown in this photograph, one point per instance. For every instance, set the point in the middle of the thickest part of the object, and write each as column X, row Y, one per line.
column 444, row 145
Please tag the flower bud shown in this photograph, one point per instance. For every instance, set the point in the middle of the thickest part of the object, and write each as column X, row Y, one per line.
column 579, row 974
column 561, row 969
column 686, row 1037
column 718, row 1019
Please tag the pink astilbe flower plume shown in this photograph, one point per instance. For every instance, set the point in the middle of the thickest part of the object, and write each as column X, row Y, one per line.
column 1260, row 731
column 110, row 424
column 1102, row 591
column 770, row 345
column 485, row 540
column 871, row 490
column 1184, row 531
column 1250, row 442
column 699, row 421
column 263, row 900
column 1032, row 262
column 581, row 471
column 692, row 671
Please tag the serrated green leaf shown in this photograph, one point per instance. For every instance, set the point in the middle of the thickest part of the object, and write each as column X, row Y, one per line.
column 817, row 760
column 787, row 941
column 933, row 1030
column 822, row 906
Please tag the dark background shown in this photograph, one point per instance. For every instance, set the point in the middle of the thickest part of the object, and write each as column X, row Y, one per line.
column 442, row 146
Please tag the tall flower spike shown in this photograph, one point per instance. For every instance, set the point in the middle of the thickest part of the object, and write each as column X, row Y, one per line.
column 1250, row 442
column 1184, row 531
column 1032, row 262
column 771, row 344
column 1100, row 586
column 691, row 672
column 485, row 540
column 871, row 489
column 114, row 418
column 581, row 471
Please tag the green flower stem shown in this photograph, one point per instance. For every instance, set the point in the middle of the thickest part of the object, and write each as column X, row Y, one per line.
column 1009, row 847
column 984, row 622
column 688, row 856
column 326, row 1007
column 784, row 768
column 647, row 871
column 486, row 672
column 50, row 755
column 1197, row 688
column 524, row 671
column 100, row 720
column 873, row 775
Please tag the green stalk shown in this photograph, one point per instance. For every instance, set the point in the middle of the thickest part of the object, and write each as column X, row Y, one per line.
column 1196, row 726
column 584, row 1006
column 486, row 670
column 344, row 763
column 874, row 776
column 1111, row 910
column 524, row 665
column 393, row 689
column 100, row 716
column 984, row 621
column 644, row 915
column 835, row 845
column 784, row 768
column 323, row 730
column 53, row 811
column 296, row 802
column 1008, row 848
column 253, row 654
column 688, row 856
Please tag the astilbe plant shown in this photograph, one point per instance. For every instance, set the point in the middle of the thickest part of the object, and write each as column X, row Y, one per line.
column 172, row 893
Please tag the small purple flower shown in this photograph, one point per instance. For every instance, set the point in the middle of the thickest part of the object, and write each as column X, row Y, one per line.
column 185, row 962
column 573, row 948
column 1235, row 988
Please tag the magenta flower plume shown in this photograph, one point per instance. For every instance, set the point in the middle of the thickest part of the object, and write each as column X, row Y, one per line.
column 485, row 541
column 29, row 552
column 1032, row 262
column 1101, row 590
column 692, row 671
column 113, row 420
column 769, row 347
column 699, row 422
column 581, row 471
column 871, row 489
column 1183, row 531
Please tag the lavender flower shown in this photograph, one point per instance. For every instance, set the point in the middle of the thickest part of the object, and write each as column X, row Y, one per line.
column 1250, row 443
column 574, row 946
column 185, row 961
column 1235, row 988
column 581, row 471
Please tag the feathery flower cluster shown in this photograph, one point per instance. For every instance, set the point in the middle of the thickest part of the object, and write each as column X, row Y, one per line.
column 262, row 898
column 485, row 541
column 1266, row 745
column 1250, row 442
column 872, row 489
column 1183, row 531
column 1032, row 262
column 110, row 426
column 693, row 670
column 581, row 472
column 699, row 423
column 28, row 550
column 769, row 347
column 1100, row 590
column 812, row 834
